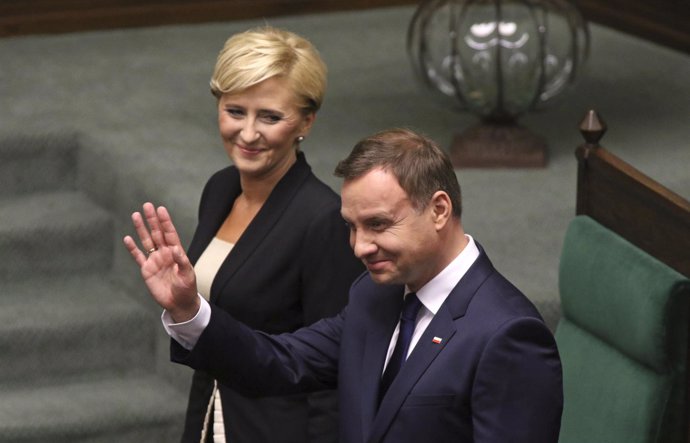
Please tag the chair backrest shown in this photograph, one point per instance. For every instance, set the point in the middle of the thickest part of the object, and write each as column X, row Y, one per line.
column 623, row 338
column 624, row 332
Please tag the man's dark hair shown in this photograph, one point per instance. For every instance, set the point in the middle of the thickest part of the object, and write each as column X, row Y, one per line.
column 418, row 164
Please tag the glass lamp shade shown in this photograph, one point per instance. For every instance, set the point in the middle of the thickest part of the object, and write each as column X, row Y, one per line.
column 498, row 58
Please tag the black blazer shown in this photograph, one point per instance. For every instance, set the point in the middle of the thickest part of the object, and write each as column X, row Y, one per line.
column 292, row 266
column 486, row 369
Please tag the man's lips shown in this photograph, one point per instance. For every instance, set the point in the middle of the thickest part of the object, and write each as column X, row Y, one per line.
column 376, row 265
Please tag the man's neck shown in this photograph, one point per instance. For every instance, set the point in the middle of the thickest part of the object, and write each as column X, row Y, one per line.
column 452, row 242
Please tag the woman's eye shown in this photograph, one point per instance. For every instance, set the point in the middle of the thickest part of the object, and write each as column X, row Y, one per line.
column 271, row 118
column 234, row 112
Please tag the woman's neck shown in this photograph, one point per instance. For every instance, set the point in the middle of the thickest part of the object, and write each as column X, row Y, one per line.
column 255, row 190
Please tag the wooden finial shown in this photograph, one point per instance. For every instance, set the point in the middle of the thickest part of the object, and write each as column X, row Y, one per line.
column 592, row 127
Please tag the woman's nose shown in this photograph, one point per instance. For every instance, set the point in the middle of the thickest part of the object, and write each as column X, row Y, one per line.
column 249, row 132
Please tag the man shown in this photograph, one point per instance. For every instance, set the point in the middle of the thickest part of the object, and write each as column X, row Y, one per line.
column 474, row 360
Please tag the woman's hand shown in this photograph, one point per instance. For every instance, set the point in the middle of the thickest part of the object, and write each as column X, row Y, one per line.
column 165, row 268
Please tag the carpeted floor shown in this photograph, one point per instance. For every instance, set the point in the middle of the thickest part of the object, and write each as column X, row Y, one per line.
column 140, row 103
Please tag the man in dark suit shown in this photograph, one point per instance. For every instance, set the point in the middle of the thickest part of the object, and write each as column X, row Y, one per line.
column 469, row 359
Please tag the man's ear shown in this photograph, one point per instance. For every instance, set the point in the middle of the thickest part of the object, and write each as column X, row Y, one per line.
column 441, row 209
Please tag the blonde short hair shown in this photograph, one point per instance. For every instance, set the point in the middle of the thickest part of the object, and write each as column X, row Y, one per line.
column 250, row 57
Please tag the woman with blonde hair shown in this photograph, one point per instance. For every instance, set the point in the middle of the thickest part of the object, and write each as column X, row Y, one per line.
column 270, row 246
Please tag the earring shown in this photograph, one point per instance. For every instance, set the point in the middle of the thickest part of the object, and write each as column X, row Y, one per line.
column 300, row 139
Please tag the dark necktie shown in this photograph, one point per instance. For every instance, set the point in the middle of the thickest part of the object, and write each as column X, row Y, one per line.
column 408, row 317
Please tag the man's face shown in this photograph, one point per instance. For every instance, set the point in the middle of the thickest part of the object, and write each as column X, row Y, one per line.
column 395, row 242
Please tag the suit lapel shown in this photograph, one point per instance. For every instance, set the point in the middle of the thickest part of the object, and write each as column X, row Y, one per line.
column 443, row 325
column 264, row 221
column 213, row 213
column 421, row 357
column 388, row 302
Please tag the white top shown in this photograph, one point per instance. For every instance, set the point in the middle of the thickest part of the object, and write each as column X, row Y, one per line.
column 206, row 269
column 208, row 264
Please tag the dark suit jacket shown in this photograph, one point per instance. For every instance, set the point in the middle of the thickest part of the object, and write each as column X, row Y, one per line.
column 292, row 266
column 495, row 376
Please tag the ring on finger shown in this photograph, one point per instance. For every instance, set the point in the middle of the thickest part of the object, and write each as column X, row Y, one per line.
column 151, row 251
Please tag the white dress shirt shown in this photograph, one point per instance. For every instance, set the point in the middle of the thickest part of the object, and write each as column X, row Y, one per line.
column 434, row 293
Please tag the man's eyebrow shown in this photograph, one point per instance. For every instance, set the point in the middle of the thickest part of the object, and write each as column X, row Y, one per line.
column 376, row 217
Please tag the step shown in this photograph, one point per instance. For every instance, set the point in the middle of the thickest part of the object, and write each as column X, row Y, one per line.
column 53, row 232
column 111, row 410
column 53, row 328
column 30, row 163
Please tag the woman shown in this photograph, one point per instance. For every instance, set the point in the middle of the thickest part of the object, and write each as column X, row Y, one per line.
column 270, row 246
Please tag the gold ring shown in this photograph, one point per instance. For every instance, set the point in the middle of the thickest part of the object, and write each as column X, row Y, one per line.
column 151, row 251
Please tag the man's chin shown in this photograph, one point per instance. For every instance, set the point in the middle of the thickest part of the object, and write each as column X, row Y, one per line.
column 383, row 278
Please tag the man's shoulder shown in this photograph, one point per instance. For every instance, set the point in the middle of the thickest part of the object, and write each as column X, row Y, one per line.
column 497, row 301
column 364, row 289
column 363, row 284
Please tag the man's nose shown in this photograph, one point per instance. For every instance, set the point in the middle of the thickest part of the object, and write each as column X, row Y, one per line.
column 362, row 244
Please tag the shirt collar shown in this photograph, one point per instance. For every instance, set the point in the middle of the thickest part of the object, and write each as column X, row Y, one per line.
column 434, row 293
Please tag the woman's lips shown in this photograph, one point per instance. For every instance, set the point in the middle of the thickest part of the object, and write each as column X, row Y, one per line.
column 249, row 151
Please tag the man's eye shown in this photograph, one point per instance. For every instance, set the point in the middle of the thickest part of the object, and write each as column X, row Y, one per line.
column 377, row 225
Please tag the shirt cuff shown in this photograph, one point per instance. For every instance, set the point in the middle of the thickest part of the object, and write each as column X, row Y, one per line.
column 187, row 333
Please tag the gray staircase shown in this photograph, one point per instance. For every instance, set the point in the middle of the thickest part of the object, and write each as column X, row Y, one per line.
column 38, row 163
column 77, row 354
column 53, row 232
column 127, row 409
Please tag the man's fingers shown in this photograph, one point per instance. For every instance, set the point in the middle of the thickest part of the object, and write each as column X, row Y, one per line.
column 134, row 251
column 182, row 260
column 167, row 227
column 184, row 266
column 145, row 239
column 154, row 226
column 155, row 231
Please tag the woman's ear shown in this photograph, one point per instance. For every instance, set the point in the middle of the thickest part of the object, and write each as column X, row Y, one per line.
column 307, row 123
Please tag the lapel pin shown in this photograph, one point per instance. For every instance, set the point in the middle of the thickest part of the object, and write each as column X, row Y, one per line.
column 437, row 340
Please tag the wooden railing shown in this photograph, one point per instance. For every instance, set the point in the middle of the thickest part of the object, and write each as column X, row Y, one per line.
column 19, row 17
column 630, row 203
column 662, row 21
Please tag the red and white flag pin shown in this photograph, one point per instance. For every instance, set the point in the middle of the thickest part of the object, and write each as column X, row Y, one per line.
column 437, row 340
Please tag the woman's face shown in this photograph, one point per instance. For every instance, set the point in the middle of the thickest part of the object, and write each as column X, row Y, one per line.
column 259, row 127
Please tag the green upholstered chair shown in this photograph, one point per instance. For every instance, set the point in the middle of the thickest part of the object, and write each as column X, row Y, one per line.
column 623, row 339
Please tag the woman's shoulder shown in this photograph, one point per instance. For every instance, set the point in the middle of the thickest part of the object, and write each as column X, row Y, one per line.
column 228, row 173
column 312, row 188
column 223, row 183
column 316, row 186
column 315, row 198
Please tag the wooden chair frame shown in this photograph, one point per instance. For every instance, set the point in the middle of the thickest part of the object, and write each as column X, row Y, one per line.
column 628, row 202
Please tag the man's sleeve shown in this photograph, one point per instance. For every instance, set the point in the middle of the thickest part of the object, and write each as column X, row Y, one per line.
column 258, row 364
column 188, row 333
column 517, row 395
